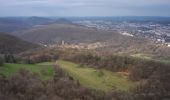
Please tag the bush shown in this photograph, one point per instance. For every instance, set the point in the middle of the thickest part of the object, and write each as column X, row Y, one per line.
column 1, row 61
column 28, row 86
column 81, row 65
column 156, row 87
column 10, row 58
column 144, row 69
column 100, row 73
column 112, row 62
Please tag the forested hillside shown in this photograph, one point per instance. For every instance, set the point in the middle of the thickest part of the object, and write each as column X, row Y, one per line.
column 12, row 44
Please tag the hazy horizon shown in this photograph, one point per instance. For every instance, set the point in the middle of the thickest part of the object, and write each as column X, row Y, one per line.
column 81, row 16
column 87, row 8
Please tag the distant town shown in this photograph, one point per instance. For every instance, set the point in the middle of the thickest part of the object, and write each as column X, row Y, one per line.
column 159, row 33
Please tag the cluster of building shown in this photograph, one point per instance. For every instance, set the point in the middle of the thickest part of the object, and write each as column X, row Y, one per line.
column 156, row 32
column 90, row 46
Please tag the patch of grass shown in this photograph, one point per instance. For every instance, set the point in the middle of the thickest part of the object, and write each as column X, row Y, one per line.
column 92, row 78
column 143, row 56
column 45, row 70
column 46, row 63
column 166, row 61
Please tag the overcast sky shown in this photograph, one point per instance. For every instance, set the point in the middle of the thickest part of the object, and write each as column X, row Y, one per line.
column 84, row 7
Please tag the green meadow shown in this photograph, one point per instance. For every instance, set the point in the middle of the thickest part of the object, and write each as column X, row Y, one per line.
column 96, row 79
column 44, row 70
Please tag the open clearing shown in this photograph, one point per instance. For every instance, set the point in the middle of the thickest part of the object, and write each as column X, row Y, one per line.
column 45, row 70
column 89, row 77
column 96, row 79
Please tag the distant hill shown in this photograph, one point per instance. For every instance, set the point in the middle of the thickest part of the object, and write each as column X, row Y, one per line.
column 53, row 33
column 11, row 24
column 45, row 20
column 11, row 44
column 71, row 33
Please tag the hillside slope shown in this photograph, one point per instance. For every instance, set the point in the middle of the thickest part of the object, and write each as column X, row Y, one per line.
column 12, row 24
column 11, row 44
column 71, row 33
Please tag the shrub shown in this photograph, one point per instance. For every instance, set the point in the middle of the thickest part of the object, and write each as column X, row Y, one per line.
column 156, row 87
column 144, row 69
column 1, row 61
column 10, row 58
column 100, row 73
column 27, row 86
column 81, row 65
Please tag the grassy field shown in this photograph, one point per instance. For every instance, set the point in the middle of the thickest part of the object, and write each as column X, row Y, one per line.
column 143, row 56
column 96, row 79
column 45, row 70
column 164, row 61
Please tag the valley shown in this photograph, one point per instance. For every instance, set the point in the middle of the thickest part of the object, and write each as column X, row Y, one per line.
column 86, row 58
